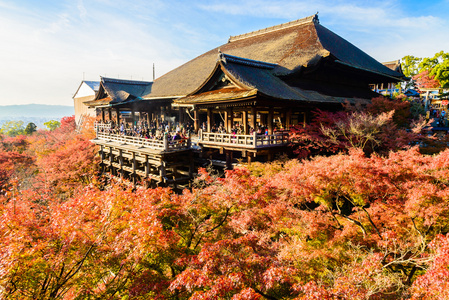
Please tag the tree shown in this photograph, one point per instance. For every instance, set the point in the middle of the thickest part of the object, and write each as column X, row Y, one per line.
column 12, row 128
column 425, row 80
column 437, row 69
column 410, row 65
column 30, row 128
column 52, row 124
column 381, row 128
column 441, row 70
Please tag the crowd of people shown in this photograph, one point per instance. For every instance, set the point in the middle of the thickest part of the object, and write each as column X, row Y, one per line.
column 143, row 129
column 439, row 116
column 173, row 131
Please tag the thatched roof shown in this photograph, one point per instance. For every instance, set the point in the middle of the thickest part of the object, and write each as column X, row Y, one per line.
column 292, row 46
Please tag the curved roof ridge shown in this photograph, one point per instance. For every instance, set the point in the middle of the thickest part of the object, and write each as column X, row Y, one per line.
column 305, row 20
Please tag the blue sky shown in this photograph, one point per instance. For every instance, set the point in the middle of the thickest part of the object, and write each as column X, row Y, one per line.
column 49, row 45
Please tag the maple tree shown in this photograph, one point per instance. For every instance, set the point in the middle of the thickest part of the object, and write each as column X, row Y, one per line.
column 384, row 126
column 425, row 80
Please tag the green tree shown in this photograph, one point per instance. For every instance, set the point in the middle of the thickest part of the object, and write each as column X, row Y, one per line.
column 12, row 128
column 441, row 70
column 437, row 67
column 52, row 124
column 410, row 65
column 30, row 128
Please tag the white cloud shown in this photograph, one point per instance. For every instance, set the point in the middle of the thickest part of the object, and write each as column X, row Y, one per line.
column 48, row 46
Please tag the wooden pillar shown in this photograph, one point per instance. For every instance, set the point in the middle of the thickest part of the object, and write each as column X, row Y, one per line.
column 111, row 160
column 102, row 115
column 288, row 119
column 121, row 161
column 133, row 118
column 209, row 119
column 229, row 119
column 165, row 142
column 245, row 121
column 249, row 158
column 191, row 165
column 228, row 159
column 162, row 171
column 117, row 115
column 253, row 117
column 102, row 153
column 110, row 114
column 148, row 119
column 175, row 172
column 196, row 120
column 147, row 166
column 270, row 120
column 134, row 175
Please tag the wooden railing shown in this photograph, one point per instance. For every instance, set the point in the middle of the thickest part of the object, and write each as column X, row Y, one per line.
column 164, row 144
column 242, row 140
column 252, row 141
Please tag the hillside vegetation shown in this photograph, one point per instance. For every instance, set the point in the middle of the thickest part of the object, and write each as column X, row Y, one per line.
column 361, row 222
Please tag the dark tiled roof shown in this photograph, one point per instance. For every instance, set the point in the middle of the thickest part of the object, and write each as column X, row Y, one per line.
column 94, row 85
column 122, row 90
column 253, row 77
column 291, row 46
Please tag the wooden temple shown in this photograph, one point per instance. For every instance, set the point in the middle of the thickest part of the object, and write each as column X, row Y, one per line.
column 233, row 103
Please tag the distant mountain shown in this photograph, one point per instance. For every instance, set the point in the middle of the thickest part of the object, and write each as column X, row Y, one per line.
column 36, row 113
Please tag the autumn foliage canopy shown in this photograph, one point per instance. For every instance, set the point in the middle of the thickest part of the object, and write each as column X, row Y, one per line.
column 342, row 226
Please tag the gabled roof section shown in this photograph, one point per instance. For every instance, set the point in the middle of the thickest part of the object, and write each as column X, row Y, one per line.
column 251, row 78
column 291, row 46
column 396, row 66
column 93, row 85
column 120, row 90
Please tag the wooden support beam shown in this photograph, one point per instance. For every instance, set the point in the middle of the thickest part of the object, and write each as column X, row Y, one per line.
column 121, row 161
column 102, row 152
column 134, row 163
column 229, row 119
column 288, row 118
column 253, row 117
column 270, row 120
column 175, row 173
column 249, row 158
column 162, row 171
column 209, row 119
column 111, row 160
column 191, row 164
column 196, row 121
column 147, row 166
column 133, row 118
column 117, row 115
column 110, row 114
column 228, row 159
column 245, row 121
column 102, row 115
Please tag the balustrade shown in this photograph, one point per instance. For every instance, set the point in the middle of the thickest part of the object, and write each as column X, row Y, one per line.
column 206, row 138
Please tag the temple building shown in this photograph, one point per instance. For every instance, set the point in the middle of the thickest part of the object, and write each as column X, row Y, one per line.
column 237, row 101
column 86, row 91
